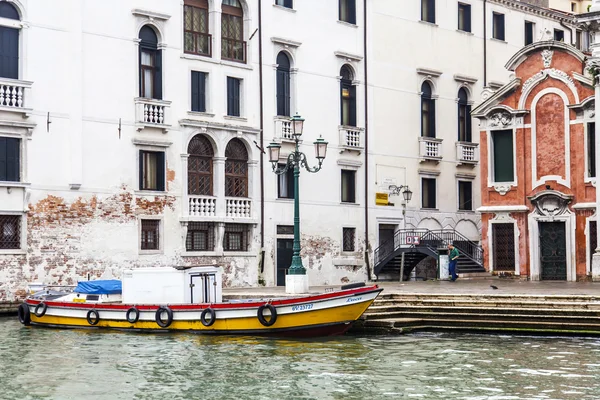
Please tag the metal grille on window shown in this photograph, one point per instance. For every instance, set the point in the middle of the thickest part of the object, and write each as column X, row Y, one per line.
column 150, row 234
column 200, row 166
column 503, row 239
column 236, row 237
column 349, row 239
column 200, row 236
column 236, row 169
column 10, row 232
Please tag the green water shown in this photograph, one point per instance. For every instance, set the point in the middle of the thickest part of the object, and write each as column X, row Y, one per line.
column 37, row 363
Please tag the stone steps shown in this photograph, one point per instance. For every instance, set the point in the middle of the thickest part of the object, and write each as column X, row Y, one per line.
column 390, row 310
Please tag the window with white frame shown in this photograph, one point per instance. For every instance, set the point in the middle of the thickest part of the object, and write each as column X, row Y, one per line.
column 465, row 196
column 498, row 26
column 9, row 40
column 150, row 64
column 285, row 3
column 233, row 97
column 591, row 150
column 464, row 17
column 428, row 11
column 152, row 170
column 283, row 85
column 200, row 236
column 197, row 40
column 285, row 183
column 428, row 193
column 199, row 91
column 10, row 232
column 347, row 11
column 502, row 156
column 10, row 156
column 349, row 239
column 150, row 234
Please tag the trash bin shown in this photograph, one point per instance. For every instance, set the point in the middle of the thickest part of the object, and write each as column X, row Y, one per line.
column 443, row 263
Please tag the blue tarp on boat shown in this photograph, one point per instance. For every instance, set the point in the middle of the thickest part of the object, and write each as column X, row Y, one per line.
column 111, row 286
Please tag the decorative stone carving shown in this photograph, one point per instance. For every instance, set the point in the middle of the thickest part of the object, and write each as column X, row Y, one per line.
column 501, row 118
column 502, row 189
column 547, row 57
column 551, row 203
column 552, row 72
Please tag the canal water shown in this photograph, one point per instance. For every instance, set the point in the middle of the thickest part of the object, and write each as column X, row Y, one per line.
column 38, row 363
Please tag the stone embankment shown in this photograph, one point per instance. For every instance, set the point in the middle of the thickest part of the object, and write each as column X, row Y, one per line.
column 547, row 314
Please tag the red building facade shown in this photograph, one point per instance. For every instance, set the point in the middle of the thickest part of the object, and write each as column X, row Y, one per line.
column 537, row 138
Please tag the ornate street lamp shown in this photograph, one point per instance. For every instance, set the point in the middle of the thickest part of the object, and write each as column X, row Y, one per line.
column 296, row 160
column 396, row 190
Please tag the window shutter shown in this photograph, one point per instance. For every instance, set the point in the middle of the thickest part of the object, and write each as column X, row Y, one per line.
column 9, row 53
column 503, row 156
column 468, row 196
column 431, row 11
column 352, row 186
column 351, row 11
column 286, row 93
column 236, row 97
column 142, row 170
column 501, row 26
column 352, row 105
column 12, row 160
column 158, row 76
column 281, row 92
column 468, row 135
column 229, row 96
column 3, row 160
column 198, row 91
column 288, row 3
column 467, row 17
column 592, row 150
column 431, row 192
column 160, row 171
column 431, row 118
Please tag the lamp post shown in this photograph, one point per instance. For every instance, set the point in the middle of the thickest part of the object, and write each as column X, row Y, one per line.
column 407, row 195
column 296, row 280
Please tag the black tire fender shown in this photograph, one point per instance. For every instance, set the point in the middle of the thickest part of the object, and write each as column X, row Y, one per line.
column 261, row 316
column 93, row 317
column 136, row 315
column 211, row 320
column 40, row 309
column 353, row 285
column 164, row 323
column 24, row 314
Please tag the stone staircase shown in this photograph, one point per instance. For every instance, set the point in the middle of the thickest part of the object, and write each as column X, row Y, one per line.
column 402, row 313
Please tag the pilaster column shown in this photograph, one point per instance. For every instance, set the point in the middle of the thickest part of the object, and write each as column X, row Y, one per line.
column 219, row 184
column 185, row 199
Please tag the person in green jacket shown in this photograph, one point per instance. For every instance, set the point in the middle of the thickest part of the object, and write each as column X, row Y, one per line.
column 453, row 257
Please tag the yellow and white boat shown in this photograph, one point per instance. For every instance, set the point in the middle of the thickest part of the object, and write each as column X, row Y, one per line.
column 189, row 299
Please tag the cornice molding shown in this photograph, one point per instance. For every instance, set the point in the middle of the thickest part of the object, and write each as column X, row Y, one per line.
column 285, row 42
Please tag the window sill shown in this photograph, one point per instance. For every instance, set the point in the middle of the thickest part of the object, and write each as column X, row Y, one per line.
column 285, row 199
column 150, row 193
column 282, row 8
column 465, row 32
column 433, row 24
column 227, row 253
column 493, row 39
column 13, row 252
column 197, row 253
column 343, row 203
column 345, row 23
column 234, row 118
column 466, row 211
column 11, row 184
column 429, row 209
column 200, row 114
column 197, row 57
column 239, row 64
column 149, row 252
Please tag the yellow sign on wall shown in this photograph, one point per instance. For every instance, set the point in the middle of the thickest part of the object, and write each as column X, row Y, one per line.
column 381, row 199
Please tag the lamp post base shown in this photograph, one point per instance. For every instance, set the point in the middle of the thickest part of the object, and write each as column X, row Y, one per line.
column 296, row 284
column 596, row 267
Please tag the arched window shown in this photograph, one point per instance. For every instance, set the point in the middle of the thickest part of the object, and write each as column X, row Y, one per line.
column 233, row 46
column 464, row 116
column 347, row 97
column 200, row 166
column 236, row 169
column 427, row 111
column 283, row 84
column 150, row 65
column 9, row 43
column 197, row 40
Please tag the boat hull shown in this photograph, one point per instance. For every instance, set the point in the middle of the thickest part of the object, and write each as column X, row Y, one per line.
column 321, row 315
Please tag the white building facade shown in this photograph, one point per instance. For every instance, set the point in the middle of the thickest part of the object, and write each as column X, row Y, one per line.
column 132, row 132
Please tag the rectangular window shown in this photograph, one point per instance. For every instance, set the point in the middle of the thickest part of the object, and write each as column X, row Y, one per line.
column 559, row 35
column 578, row 38
column 348, row 11
column 233, row 97
column 503, row 164
column 285, row 184
column 195, row 30
column 498, row 26
column 10, row 232
column 200, row 236
column 236, row 237
column 10, row 155
column 152, row 170
column 427, row 117
column 529, row 29
column 348, row 186
column 591, row 150
column 198, row 91
column 285, row 3
column 428, row 11
column 464, row 123
column 465, row 196
column 428, row 193
column 150, row 234
column 349, row 239
column 464, row 17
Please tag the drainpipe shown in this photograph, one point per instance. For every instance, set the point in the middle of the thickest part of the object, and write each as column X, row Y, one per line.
column 484, row 43
column 262, row 167
column 367, row 246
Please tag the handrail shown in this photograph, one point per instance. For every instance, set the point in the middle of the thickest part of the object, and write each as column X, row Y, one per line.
column 427, row 238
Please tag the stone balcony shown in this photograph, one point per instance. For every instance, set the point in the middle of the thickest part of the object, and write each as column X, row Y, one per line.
column 430, row 149
column 152, row 113
column 467, row 153
column 283, row 129
column 14, row 96
column 215, row 208
column 351, row 138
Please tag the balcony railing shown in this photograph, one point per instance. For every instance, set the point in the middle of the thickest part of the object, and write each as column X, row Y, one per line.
column 233, row 50
column 430, row 148
column 467, row 153
column 283, row 129
column 198, row 43
column 151, row 112
column 238, row 207
column 13, row 93
column 351, row 138
column 202, row 206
